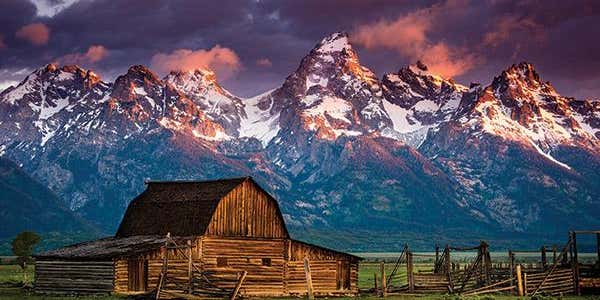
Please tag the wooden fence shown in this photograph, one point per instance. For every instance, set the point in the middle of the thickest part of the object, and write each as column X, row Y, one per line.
column 481, row 276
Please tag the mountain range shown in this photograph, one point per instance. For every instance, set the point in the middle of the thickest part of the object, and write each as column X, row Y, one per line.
column 356, row 161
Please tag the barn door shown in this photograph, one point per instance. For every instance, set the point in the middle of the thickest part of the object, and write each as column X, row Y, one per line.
column 343, row 275
column 137, row 275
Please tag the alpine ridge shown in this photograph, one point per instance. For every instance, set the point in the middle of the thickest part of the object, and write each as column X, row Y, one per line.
column 410, row 153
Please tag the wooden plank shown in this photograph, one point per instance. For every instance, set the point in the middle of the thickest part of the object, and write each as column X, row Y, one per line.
column 519, row 281
column 309, row 285
column 383, row 281
column 238, row 285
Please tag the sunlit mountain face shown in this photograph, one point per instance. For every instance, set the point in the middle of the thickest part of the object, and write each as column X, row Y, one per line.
column 338, row 146
column 422, row 122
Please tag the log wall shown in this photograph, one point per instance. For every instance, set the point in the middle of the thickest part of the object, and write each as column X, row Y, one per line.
column 177, row 271
column 247, row 211
column 73, row 277
column 284, row 276
column 246, row 255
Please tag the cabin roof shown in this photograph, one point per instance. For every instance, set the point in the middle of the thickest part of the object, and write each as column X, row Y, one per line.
column 328, row 249
column 106, row 248
column 182, row 208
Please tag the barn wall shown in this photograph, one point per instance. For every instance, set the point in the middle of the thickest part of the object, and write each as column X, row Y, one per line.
column 60, row 276
column 325, row 269
column 246, row 255
column 178, row 269
column 121, row 276
column 247, row 212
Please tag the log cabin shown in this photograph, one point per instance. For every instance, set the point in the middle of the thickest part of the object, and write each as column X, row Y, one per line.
column 199, row 237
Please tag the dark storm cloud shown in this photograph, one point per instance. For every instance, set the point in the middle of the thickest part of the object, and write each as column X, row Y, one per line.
column 270, row 37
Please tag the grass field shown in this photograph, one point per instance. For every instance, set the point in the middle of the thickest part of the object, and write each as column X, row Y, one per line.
column 11, row 286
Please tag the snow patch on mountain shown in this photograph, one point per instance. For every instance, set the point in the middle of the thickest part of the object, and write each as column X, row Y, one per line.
column 548, row 156
column 336, row 42
column 259, row 123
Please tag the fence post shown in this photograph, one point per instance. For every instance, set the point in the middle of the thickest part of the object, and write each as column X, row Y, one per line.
column 598, row 245
column 189, row 244
column 309, row 285
column 375, row 283
column 575, row 263
column 519, row 281
column 436, row 265
column 447, row 258
column 383, row 283
column 409, row 271
column 544, row 262
column 524, row 284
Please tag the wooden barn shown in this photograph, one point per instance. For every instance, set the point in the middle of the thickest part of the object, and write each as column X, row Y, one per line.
column 199, row 238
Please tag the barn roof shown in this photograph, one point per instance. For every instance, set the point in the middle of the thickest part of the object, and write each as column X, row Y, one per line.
column 106, row 248
column 183, row 208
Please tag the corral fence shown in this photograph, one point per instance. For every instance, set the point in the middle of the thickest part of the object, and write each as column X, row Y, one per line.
column 557, row 272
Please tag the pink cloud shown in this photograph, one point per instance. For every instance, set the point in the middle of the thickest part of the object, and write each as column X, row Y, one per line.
column 36, row 33
column 224, row 61
column 409, row 35
column 264, row 62
column 2, row 44
column 95, row 53
column 505, row 26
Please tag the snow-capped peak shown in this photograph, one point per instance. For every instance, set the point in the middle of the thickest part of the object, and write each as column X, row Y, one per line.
column 335, row 42
column 519, row 106
column 194, row 81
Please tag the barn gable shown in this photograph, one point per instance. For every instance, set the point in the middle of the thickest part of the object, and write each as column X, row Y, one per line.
column 247, row 211
column 229, row 207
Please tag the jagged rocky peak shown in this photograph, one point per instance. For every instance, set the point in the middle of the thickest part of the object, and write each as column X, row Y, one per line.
column 332, row 94
column 138, row 83
column 419, row 76
column 53, row 83
column 522, row 78
column 336, row 42
column 334, row 55
column 194, row 82
column 519, row 106
column 141, row 72
column 54, row 73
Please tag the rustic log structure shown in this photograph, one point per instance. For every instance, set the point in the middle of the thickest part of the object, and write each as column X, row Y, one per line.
column 561, row 275
column 199, row 238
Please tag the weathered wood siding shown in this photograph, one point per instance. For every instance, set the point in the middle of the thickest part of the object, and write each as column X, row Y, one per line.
column 247, row 212
column 81, row 277
column 284, row 276
column 247, row 255
column 325, row 268
column 177, row 271
column 121, row 276
column 324, row 275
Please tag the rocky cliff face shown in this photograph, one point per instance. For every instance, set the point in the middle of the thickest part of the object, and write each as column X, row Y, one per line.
column 339, row 147
column 516, row 148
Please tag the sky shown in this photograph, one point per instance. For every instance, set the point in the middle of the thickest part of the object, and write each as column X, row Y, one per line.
column 254, row 45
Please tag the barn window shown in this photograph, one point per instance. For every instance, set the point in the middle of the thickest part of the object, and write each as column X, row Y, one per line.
column 222, row 262
column 266, row 262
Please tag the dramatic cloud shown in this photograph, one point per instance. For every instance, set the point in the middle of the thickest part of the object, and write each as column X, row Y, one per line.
column 224, row 61
column 505, row 26
column 470, row 40
column 94, row 54
column 408, row 34
column 36, row 33
column 264, row 62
